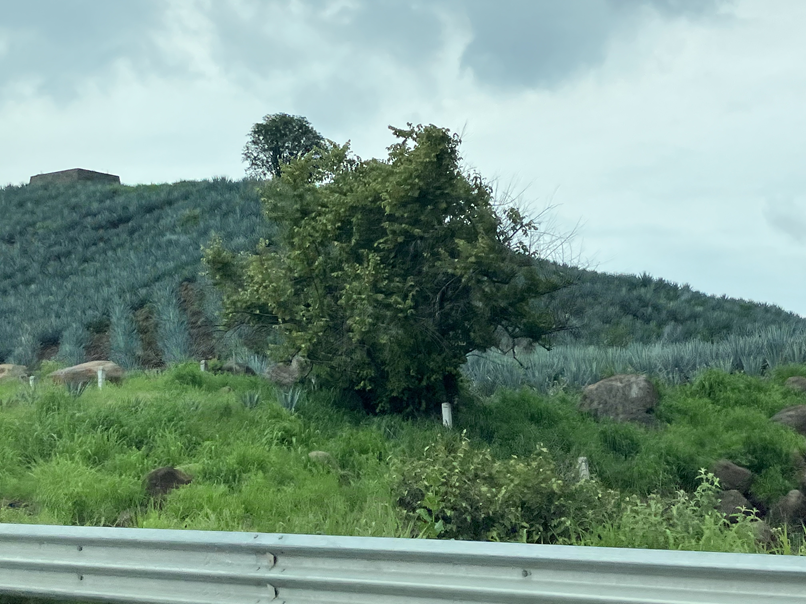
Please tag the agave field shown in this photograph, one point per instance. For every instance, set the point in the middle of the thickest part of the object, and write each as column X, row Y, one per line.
column 674, row 363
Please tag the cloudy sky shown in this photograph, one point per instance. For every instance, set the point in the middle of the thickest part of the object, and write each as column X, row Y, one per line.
column 668, row 135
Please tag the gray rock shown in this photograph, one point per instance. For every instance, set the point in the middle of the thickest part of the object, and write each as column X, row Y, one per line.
column 237, row 368
column 794, row 417
column 8, row 371
column 763, row 532
column 731, row 502
column 791, row 508
column 288, row 374
column 324, row 458
column 161, row 481
column 623, row 398
column 88, row 372
column 732, row 477
column 797, row 382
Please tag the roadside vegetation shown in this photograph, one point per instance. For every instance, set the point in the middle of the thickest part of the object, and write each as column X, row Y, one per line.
column 505, row 472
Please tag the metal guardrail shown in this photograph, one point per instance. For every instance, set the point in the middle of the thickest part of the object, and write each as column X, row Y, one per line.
column 199, row 567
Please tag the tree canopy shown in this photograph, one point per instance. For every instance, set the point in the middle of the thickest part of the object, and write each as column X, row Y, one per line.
column 385, row 274
column 276, row 141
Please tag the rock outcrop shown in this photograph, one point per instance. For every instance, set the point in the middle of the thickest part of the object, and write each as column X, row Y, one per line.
column 733, row 502
column 324, row 458
column 10, row 372
column 794, row 417
column 163, row 480
column 623, row 398
column 88, row 372
column 732, row 477
column 288, row 374
column 797, row 382
column 791, row 508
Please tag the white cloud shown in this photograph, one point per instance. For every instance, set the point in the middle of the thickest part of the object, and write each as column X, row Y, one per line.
column 188, row 38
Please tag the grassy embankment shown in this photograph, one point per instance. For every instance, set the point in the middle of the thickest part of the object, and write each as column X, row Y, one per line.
column 80, row 460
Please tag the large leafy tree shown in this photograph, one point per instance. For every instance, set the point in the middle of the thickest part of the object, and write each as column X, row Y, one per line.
column 386, row 274
column 276, row 141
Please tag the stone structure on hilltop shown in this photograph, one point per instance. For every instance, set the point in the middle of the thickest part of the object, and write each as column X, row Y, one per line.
column 74, row 175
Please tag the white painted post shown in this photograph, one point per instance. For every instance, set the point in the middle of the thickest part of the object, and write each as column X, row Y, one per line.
column 583, row 469
column 447, row 417
column 203, row 365
column 32, row 381
column 101, row 374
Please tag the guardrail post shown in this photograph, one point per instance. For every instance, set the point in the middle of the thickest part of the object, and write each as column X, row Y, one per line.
column 101, row 374
column 203, row 365
column 447, row 416
column 583, row 468
column 32, row 381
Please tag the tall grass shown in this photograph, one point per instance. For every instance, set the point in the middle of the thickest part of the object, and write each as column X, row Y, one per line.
column 81, row 459
column 717, row 415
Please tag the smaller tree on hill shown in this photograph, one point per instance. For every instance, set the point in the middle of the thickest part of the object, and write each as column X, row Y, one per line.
column 276, row 141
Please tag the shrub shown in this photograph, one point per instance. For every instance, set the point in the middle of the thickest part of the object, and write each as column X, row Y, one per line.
column 187, row 374
column 683, row 521
column 457, row 492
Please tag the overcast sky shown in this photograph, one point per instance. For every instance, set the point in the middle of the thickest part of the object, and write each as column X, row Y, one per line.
column 670, row 133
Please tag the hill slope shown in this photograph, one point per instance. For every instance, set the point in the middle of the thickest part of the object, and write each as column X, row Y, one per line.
column 93, row 271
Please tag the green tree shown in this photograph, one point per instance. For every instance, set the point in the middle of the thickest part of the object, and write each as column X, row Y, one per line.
column 278, row 140
column 386, row 274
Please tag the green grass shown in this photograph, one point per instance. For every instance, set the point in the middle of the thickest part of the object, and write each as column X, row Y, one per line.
column 717, row 415
column 80, row 460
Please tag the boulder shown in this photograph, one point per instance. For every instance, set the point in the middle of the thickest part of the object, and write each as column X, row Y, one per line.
column 288, row 374
column 797, row 382
column 791, row 508
column 731, row 502
column 794, row 417
column 237, row 368
column 161, row 481
column 732, row 477
column 763, row 532
column 8, row 372
column 623, row 398
column 88, row 372
column 324, row 458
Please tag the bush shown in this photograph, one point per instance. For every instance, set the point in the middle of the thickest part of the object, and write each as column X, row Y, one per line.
column 187, row 374
column 683, row 522
column 456, row 492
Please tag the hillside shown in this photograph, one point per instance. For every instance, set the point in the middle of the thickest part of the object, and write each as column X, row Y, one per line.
column 94, row 271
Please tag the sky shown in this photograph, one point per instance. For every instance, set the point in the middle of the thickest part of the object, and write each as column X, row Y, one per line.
column 657, row 136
